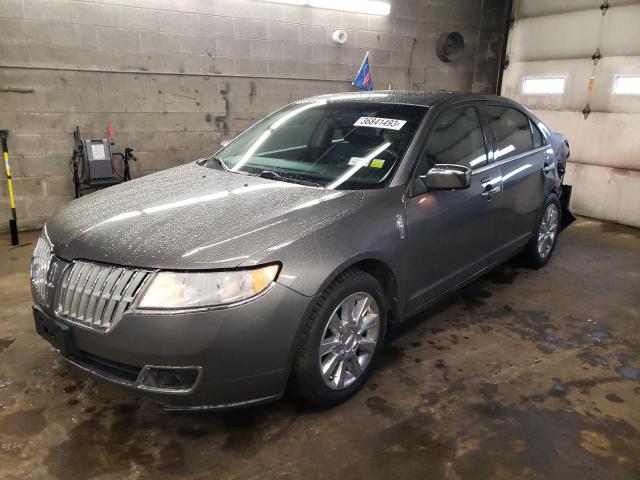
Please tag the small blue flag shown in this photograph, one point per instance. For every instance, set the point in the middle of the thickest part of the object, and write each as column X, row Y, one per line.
column 363, row 79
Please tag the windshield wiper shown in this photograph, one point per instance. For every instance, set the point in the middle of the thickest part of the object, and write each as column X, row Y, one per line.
column 276, row 176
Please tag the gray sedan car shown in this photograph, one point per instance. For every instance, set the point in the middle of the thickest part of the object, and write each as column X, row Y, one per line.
column 283, row 260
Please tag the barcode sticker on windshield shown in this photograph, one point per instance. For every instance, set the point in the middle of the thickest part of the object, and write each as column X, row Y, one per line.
column 375, row 122
column 362, row 161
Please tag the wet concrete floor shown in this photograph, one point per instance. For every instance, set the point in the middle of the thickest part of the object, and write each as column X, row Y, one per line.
column 524, row 374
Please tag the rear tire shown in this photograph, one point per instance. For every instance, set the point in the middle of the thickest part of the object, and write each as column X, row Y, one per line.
column 541, row 246
column 340, row 340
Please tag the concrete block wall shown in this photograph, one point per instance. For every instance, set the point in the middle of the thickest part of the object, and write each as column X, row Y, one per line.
column 177, row 76
column 490, row 44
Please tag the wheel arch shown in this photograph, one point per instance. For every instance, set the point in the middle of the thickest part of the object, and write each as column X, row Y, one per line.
column 381, row 270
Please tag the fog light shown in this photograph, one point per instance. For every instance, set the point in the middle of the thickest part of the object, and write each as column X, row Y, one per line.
column 169, row 379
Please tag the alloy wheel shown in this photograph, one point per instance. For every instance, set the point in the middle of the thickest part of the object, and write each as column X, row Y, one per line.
column 349, row 340
column 548, row 230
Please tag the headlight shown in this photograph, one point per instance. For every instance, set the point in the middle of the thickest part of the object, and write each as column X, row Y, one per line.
column 205, row 289
column 40, row 267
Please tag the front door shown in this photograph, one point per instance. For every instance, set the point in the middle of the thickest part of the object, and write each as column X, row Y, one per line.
column 449, row 232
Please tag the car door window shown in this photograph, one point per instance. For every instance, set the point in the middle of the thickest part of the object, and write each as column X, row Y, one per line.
column 512, row 130
column 538, row 139
column 456, row 139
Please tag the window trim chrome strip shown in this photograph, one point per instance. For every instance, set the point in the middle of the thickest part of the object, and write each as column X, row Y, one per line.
column 491, row 165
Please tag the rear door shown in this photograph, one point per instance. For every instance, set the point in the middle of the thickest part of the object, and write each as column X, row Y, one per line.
column 450, row 231
column 523, row 159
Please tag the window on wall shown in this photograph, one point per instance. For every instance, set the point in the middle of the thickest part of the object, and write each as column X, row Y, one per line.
column 543, row 85
column 626, row 85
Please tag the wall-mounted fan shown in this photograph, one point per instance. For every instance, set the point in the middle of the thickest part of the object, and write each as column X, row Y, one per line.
column 450, row 46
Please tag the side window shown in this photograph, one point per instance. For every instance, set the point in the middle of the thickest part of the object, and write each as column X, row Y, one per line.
column 456, row 139
column 538, row 139
column 512, row 130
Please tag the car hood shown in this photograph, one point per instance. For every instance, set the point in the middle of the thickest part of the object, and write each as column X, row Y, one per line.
column 190, row 217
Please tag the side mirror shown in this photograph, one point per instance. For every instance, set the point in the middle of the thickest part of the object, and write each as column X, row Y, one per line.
column 447, row 177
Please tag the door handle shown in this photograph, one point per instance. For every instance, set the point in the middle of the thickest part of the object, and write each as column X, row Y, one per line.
column 548, row 168
column 491, row 191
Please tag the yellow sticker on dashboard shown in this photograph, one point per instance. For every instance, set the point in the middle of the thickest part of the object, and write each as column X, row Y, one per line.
column 377, row 163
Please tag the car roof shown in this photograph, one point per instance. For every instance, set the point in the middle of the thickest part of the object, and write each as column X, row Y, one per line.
column 425, row 98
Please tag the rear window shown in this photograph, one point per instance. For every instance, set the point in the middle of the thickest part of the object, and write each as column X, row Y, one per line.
column 512, row 130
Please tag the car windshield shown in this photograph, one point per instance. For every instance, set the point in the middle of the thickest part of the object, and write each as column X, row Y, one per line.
column 342, row 145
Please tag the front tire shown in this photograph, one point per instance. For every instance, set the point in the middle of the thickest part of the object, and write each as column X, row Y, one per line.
column 541, row 246
column 340, row 340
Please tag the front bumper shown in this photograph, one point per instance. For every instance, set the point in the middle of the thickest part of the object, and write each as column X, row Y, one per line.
column 243, row 352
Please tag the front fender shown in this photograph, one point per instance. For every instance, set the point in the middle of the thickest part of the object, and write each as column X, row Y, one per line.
column 313, row 258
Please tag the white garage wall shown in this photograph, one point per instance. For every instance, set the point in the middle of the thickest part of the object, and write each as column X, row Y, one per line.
column 551, row 39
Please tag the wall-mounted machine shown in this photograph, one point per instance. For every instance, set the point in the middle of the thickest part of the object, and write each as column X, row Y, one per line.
column 94, row 165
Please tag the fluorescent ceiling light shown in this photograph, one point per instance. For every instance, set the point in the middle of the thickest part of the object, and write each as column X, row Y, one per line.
column 548, row 85
column 372, row 7
column 626, row 85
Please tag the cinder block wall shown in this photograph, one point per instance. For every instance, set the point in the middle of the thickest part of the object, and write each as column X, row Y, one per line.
column 177, row 76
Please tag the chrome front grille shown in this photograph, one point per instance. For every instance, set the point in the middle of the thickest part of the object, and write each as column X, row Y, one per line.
column 95, row 295
column 40, row 263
